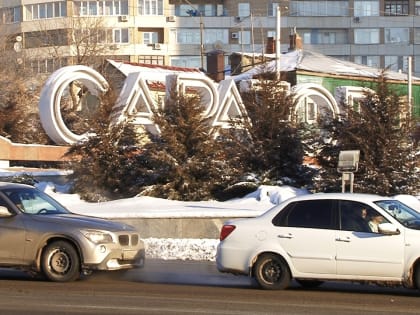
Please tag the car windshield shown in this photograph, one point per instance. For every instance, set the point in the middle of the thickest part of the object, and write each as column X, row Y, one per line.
column 401, row 212
column 33, row 201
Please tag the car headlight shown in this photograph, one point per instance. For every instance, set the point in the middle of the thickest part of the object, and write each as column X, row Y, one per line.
column 98, row 237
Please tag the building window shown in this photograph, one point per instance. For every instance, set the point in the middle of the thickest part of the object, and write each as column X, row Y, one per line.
column 187, row 10
column 322, row 36
column 396, row 7
column 244, row 37
column 150, row 7
column 151, row 60
column 47, row 65
column 193, row 36
column 100, row 8
column 58, row 37
column 396, row 63
column 417, row 36
column 10, row 15
column 186, row 35
column 197, row 10
column 371, row 61
column 417, row 8
column 272, row 34
column 366, row 36
column 319, row 8
column 417, row 64
column 103, row 36
column 187, row 61
column 307, row 111
column 272, row 9
column 45, row 10
column 244, row 9
column 150, row 37
column 366, row 8
column 120, row 35
column 396, row 35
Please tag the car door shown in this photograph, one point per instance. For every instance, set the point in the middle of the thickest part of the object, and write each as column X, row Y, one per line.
column 306, row 231
column 12, row 237
column 361, row 252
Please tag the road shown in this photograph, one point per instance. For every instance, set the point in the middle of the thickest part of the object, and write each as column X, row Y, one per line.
column 179, row 287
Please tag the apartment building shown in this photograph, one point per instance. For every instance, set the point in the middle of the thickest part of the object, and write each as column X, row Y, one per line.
column 45, row 35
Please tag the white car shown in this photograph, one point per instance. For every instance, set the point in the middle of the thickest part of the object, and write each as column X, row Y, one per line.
column 321, row 237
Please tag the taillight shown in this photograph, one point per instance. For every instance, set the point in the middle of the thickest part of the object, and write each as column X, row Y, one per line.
column 226, row 230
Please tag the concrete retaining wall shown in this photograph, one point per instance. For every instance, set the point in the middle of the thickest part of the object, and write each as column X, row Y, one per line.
column 177, row 227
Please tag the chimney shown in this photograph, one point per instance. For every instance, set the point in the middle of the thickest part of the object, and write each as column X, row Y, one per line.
column 216, row 65
column 295, row 41
column 270, row 48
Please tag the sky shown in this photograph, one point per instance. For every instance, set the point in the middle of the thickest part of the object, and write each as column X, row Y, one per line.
column 253, row 204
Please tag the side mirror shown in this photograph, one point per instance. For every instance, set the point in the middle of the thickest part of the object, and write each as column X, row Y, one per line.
column 388, row 229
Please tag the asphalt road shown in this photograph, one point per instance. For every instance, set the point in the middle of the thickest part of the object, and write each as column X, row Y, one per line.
column 179, row 287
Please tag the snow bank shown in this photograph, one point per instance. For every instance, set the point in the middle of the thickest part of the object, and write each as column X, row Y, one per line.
column 182, row 249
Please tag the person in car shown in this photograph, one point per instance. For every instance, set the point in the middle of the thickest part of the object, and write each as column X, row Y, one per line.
column 356, row 220
column 374, row 222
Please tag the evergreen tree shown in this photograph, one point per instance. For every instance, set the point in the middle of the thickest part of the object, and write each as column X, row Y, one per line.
column 378, row 128
column 186, row 161
column 272, row 150
column 105, row 163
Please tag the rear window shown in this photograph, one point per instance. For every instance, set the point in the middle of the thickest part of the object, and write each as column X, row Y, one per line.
column 315, row 214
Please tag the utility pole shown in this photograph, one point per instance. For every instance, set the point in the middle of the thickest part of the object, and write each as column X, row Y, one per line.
column 201, row 40
column 410, row 87
column 252, row 40
column 278, row 30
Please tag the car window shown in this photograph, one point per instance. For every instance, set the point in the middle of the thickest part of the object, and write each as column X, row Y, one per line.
column 32, row 201
column 401, row 212
column 359, row 217
column 316, row 214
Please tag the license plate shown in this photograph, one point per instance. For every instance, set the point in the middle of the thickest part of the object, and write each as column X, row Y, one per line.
column 129, row 254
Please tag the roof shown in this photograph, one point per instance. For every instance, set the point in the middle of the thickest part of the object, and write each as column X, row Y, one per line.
column 305, row 60
column 152, row 71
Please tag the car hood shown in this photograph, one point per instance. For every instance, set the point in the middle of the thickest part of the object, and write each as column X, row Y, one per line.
column 81, row 221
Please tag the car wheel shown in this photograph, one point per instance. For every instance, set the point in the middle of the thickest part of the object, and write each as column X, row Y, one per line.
column 309, row 284
column 416, row 278
column 60, row 262
column 272, row 272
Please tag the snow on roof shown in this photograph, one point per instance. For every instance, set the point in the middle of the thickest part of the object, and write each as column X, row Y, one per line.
column 154, row 70
column 305, row 60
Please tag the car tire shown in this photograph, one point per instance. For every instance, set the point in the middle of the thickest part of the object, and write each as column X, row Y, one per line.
column 60, row 262
column 272, row 272
column 416, row 278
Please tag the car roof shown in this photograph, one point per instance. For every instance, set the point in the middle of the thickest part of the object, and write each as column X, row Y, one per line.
column 341, row 196
column 8, row 185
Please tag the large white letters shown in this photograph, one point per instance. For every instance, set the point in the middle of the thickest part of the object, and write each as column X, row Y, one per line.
column 137, row 101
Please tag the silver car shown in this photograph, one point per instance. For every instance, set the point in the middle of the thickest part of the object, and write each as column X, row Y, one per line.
column 41, row 236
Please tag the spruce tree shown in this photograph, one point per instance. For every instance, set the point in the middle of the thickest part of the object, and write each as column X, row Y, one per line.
column 186, row 161
column 104, row 166
column 378, row 127
column 271, row 148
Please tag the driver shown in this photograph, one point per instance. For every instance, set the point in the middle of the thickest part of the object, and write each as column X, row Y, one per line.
column 374, row 222
column 15, row 198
